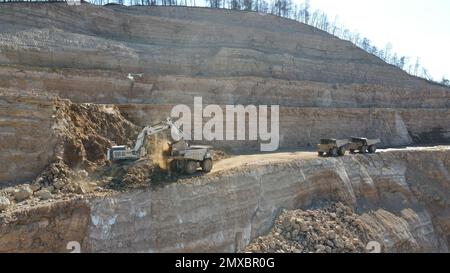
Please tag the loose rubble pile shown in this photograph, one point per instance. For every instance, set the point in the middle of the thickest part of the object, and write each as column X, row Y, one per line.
column 219, row 154
column 54, row 177
column 133, row 175
column 4, row 202
column 88, row 130
column 333, row 229
column 56, row 181
column 58, row 177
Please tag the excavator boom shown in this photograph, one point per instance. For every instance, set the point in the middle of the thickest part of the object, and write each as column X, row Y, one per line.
column 124, row 153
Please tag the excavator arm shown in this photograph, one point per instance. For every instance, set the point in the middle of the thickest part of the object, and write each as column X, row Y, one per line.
column 123, row 152
column 157, row 128
column 148, row 131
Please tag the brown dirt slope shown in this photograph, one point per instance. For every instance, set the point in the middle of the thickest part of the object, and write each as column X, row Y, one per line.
column 88, row 130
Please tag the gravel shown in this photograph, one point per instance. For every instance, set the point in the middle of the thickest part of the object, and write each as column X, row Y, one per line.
column 334, row 228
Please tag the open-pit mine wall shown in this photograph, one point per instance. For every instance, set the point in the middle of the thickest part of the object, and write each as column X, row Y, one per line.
column 402, row 195
column 27, row 142
column 326, row 87
column 85, row 53
column 303, row 127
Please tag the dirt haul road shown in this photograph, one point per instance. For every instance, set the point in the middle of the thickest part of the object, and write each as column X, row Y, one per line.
column 237, row 161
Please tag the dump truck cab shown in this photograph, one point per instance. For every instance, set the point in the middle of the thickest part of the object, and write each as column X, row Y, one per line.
column 363, row 145
column 332, row 147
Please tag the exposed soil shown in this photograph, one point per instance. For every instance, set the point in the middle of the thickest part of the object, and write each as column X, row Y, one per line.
column 88, row 130
column 130, row 175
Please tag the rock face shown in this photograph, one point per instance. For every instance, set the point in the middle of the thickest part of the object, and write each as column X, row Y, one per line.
column 26, row 136
column 325, row 86
column 225, row 210
column 36, row 131
column 303, row 127
column 226, row 57
column 204, row 43
column 45, row 229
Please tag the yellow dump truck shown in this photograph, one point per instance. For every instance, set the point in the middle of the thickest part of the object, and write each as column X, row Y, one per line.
column 332, row 147
column 363, row 145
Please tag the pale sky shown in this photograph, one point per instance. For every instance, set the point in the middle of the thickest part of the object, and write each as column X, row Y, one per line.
column 416, row 28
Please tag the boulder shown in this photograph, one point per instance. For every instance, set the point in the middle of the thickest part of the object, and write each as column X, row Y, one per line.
column 22, row 193
column 4, row 203
column 44, row 194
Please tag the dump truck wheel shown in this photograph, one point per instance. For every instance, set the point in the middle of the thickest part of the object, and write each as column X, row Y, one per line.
column 190, row 167
column 320, row 153
column 372, row 149
column 341, row 152
column 173, row 165
column 363, row 149
column 334, row 151
column 207, row 165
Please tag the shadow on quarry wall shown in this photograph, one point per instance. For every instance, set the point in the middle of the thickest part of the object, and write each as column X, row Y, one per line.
column 46, row 228
column 435, row 136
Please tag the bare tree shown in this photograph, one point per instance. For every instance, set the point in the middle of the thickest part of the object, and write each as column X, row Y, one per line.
column 334, row 27
column 402, row 62
column 247, row 4
column 416, row 67
column 366, row 45
column 235, row 4
column 394, row 60
column 263, row 6
column 425, row 74
column 214, row 3
column 306, row 11
column 387, row 52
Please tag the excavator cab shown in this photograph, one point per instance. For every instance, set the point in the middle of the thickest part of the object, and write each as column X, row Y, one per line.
column 117, row 153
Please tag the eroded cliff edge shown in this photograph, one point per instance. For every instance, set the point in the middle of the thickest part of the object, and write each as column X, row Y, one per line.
column 402, row 194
